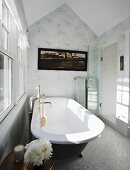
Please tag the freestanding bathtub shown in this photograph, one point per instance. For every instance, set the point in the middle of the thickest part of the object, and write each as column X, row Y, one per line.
column 69, row 126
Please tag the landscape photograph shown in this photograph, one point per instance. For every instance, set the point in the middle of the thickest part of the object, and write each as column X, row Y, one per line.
column 52, row 59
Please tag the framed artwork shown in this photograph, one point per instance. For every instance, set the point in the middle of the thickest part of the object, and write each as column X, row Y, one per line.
column 57, row 59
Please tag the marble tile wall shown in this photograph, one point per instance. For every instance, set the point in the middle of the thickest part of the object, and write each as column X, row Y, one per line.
column 61, row 29
column 118, row 34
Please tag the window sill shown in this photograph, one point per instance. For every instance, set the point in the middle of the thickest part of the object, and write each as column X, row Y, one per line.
column 6, row 52
column 20, row 96
column 5, row 112
column 11, row 107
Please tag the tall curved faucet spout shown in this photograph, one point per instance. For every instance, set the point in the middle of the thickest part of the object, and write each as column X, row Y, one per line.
column 31, row 103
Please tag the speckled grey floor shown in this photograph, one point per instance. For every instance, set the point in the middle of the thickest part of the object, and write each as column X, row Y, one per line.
column 109, row 152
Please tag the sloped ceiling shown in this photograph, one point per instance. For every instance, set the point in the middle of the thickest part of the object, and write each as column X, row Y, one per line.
column 99, row 15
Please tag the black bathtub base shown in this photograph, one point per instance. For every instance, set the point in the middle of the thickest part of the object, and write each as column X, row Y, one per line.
column 80, row 155
column 66, row 151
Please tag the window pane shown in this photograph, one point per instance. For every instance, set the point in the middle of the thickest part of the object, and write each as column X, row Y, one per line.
column 5, row 82
column 19, row 41
column 21, row 80
column 19, row 54
column 20, row 48
column 4, row 39
column 4, row 14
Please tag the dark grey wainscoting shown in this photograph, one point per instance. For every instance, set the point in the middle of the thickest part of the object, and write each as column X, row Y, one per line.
column 14, row 128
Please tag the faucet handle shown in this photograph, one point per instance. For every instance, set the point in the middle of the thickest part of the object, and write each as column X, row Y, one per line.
column 38, row 89
column 44, row 96
column 48, row 103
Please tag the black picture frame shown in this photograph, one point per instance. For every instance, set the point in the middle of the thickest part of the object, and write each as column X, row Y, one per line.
column 121, row 63
column 58, row 59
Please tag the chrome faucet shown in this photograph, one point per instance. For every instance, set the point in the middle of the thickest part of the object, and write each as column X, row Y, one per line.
column 31, row 106
column 47, row 103
column 33, row 99
column 38, row 91
column 31, row 103
column 44, row 96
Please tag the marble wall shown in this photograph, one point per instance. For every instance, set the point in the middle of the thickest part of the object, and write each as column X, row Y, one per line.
column 61, row 29
column 118, row 34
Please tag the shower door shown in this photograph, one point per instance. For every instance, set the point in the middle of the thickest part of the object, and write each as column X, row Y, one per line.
column 92, row 80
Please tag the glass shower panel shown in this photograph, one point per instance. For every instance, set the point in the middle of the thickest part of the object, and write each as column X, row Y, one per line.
column 92, row 80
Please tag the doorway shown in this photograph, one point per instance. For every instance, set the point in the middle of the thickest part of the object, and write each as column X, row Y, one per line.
column 109, row 82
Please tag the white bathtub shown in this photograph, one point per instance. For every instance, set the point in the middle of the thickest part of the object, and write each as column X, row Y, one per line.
column 67, row 122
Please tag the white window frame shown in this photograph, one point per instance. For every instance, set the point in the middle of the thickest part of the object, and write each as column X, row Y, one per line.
column 20, row 62
column 6, row 28
column 15, row 61
column 7, row 110
column 4, row 50
column 19, row 49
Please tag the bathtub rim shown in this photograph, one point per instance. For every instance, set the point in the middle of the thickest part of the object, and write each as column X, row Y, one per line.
column 62, row 138
column 49, row 137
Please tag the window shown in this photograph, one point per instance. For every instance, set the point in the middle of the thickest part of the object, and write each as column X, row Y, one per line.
column 21, row 67
column 12, row 58
column 21, row 80
column 20, row 45
column 5, row 82
column 5, row 25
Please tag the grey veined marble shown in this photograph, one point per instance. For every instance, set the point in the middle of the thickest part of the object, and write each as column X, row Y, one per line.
column 63, row 29
column 60, row 29
column 109, row 152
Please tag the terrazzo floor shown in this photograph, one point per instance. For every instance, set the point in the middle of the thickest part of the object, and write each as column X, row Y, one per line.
column 109, row 152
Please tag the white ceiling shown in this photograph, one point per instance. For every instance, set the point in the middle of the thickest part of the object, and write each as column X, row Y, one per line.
column 99, row 15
